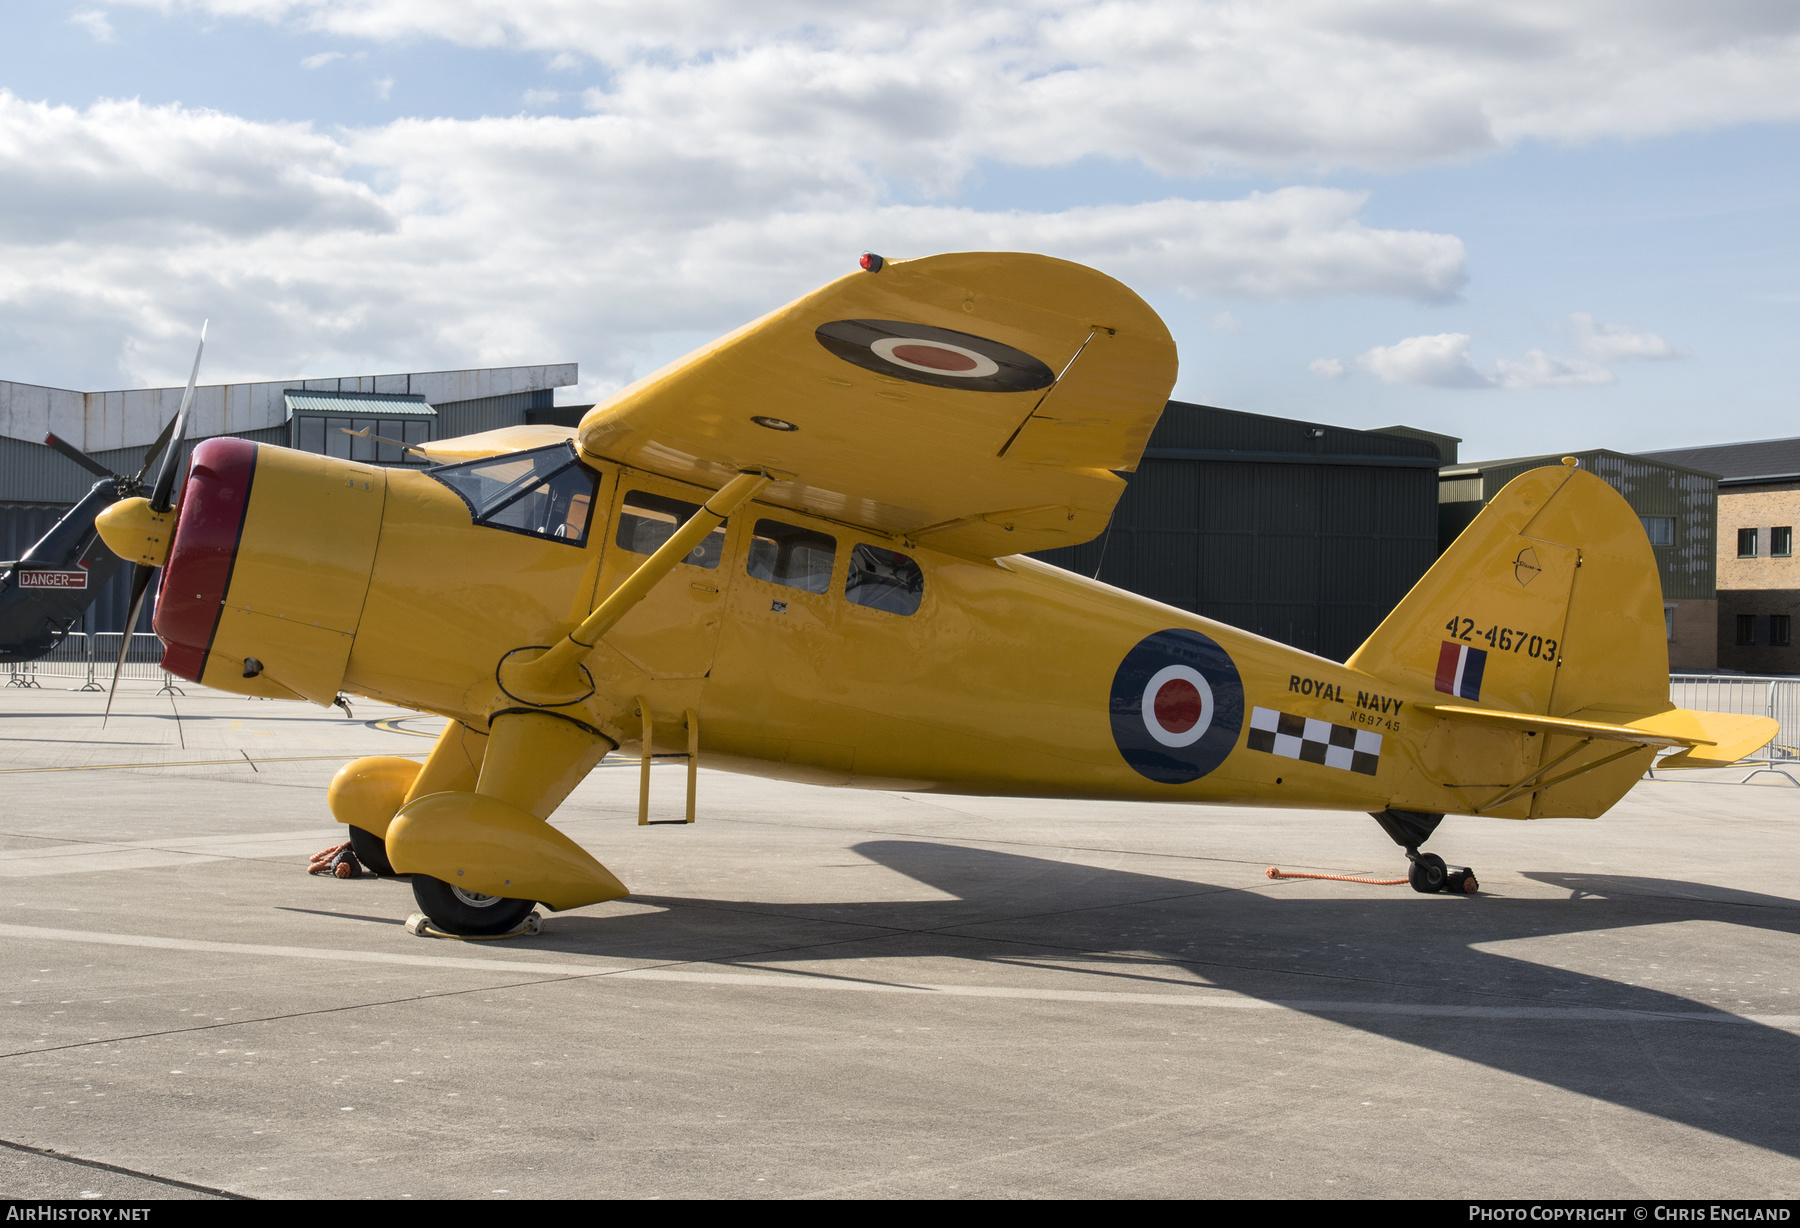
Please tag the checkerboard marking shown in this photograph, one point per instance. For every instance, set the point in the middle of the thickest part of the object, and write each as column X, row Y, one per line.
column 1315, row 741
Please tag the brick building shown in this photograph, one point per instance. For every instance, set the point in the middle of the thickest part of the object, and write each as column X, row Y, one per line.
column 1758, row 578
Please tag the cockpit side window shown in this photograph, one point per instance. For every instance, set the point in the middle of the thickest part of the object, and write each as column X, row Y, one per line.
column 546, row 492
column 786, row 554
column 646, row 521
column 884, row 579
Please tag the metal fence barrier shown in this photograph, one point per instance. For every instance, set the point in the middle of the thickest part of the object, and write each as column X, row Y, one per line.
column 89, row 658
column 1748, row 695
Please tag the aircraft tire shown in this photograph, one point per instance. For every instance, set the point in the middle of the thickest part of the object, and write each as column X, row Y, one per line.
column 371, row 850
column 1428, row 874
column 460, row 912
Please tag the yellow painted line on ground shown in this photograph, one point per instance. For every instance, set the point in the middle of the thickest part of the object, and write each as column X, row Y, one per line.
column 392, row 725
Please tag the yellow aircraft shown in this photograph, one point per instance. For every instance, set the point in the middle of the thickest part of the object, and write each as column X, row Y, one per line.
column 797, row 553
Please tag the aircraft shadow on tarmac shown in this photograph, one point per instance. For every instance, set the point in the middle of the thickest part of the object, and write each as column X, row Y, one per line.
column 1393, row 951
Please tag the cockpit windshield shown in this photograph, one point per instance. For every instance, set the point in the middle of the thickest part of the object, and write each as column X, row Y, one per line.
column 546, row 492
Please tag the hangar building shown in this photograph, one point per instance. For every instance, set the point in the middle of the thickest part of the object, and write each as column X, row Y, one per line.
column 1304, row 533
column 116, row 428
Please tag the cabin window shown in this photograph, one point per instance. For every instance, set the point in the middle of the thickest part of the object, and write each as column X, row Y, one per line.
column 1746, row 543
column 798, row 558
column 1660, row 529
column 884, row 580
column 545, row 492
column 1781, row 541
column 646, row 521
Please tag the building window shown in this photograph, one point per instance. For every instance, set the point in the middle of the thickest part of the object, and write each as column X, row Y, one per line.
column 381, row 441
column 1781, row 541
column 1746, row 543
column 1669, row 623
column 1746, row 628
column 1780, row 630
column 1661, row 529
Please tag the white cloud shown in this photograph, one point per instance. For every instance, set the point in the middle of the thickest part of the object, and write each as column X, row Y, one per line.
column 1613, row 342
column 1226, row 322
column 428, row 243
column 541, row 98
column 384, row 88
column 95, row 23
column 321, row 59
column 924, row 89
column 1440, row 361
column 1541, row 370
column 1326, row 368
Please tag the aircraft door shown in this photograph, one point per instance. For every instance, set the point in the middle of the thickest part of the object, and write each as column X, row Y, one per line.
column 673, row 632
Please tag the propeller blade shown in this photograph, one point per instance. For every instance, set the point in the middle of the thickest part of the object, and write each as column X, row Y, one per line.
column 162, row 441
column 140, row 584
column 79, row 457
column 165, row 477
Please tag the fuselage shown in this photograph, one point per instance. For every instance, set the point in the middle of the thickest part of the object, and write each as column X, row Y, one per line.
column 1009, row 677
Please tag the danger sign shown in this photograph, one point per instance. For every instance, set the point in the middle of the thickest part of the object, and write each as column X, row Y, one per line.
column 53, row 579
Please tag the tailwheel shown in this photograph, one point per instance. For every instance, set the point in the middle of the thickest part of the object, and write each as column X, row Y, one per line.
column 371, row 850
column 1428, row 873
column 468, row 913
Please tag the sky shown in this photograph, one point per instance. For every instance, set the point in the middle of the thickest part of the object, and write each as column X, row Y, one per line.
column 1539, row 225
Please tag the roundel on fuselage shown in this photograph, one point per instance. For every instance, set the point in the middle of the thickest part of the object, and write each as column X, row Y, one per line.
column 1177, row 706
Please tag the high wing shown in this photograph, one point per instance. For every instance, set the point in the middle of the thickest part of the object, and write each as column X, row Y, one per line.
column 978, row 402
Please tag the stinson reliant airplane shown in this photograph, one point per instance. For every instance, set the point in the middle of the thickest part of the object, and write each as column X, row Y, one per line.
column 797, row 552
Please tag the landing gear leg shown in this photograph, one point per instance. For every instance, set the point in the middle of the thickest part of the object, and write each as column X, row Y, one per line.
column 1428, row 874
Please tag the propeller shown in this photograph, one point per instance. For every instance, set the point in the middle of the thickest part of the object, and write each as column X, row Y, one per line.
column 160, row 501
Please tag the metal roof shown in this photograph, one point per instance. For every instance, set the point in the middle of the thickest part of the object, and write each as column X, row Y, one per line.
column 1741, row 464
column 363, row 404
column 1667, row 460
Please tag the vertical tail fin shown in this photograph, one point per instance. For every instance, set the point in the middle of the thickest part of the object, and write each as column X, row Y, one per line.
column 1548, row 603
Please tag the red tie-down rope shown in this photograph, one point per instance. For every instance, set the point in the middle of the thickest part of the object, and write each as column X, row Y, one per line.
column 337, row 861
column 1277, row 872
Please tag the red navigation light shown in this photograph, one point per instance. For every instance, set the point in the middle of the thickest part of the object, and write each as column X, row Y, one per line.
column 871, row 262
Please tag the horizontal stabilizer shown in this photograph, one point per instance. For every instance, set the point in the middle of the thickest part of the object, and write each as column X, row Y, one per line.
column 1729, row 736
column 1641, row 734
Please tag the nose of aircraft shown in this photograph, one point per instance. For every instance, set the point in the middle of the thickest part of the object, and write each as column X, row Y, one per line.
column 264, row 582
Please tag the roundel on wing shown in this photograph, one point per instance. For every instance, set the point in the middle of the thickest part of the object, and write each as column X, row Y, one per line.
column 941, row 357
column 1177, row 706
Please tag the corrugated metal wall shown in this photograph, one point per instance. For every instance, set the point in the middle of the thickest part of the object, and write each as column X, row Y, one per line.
column 1307, row 540
column 489, row 413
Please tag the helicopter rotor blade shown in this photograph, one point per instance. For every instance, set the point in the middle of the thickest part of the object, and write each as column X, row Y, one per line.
column 79, row 457
column 140, row 584
column 165, row 476
column 156, row 447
